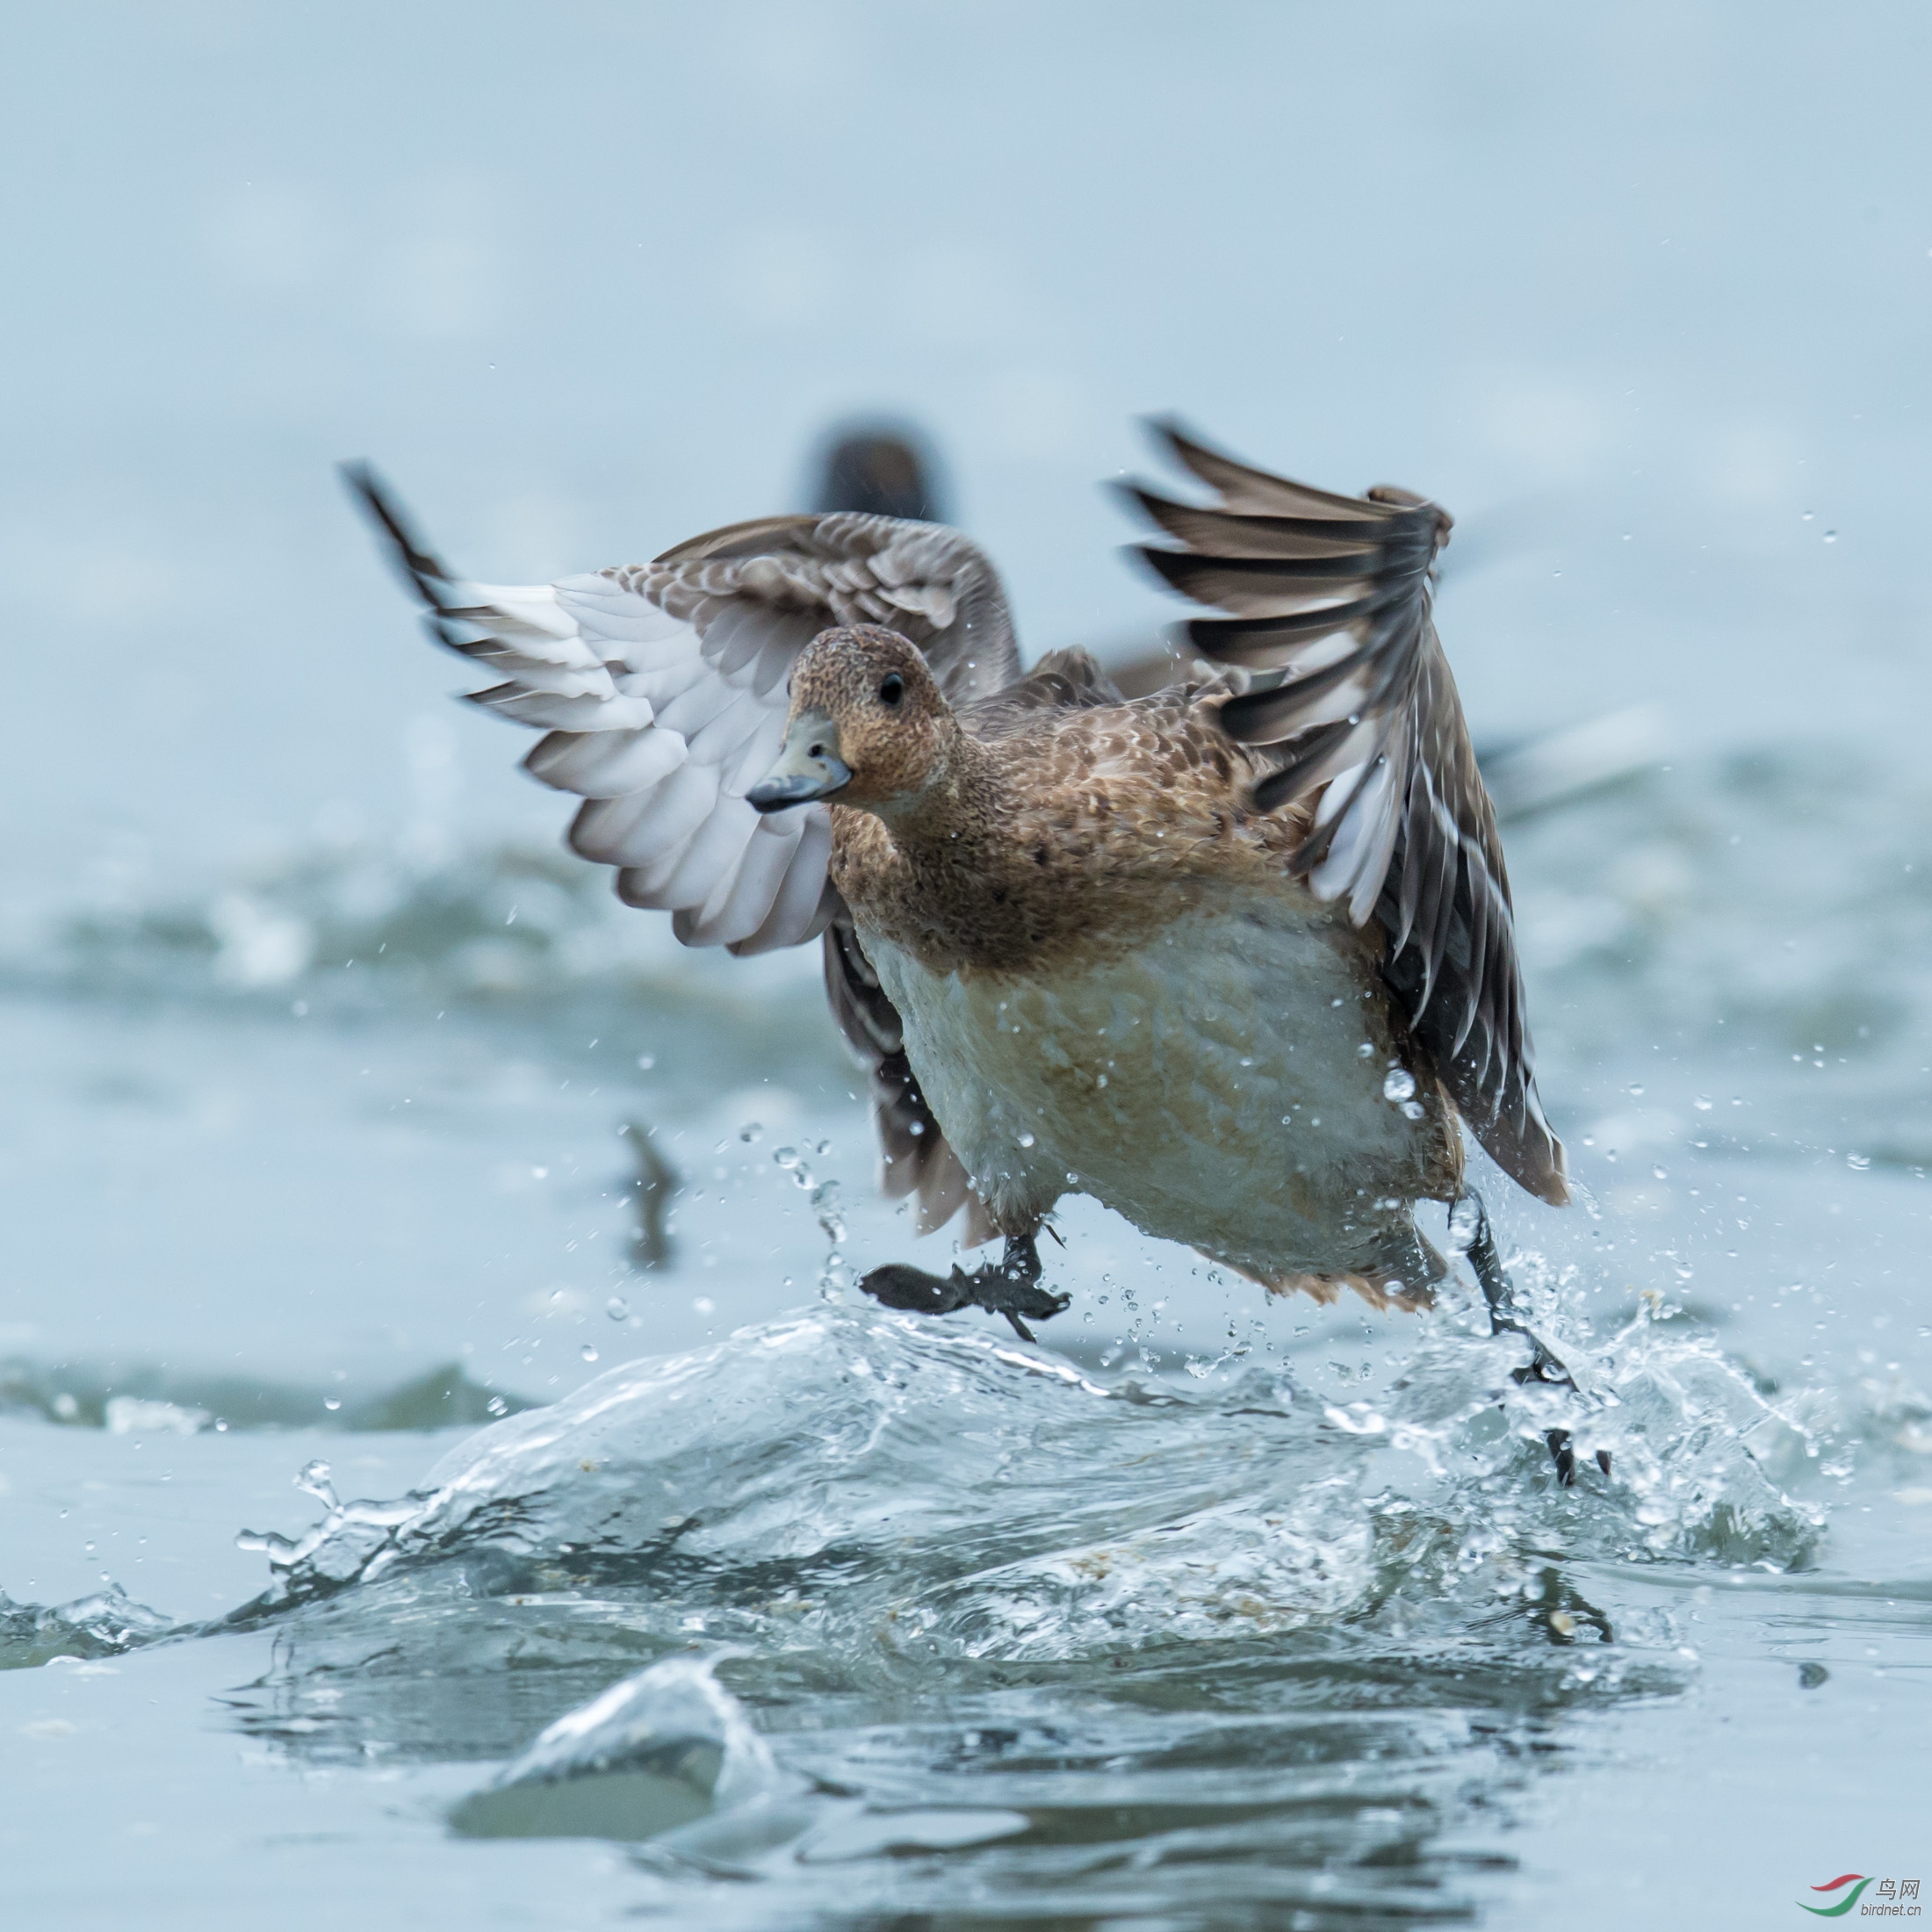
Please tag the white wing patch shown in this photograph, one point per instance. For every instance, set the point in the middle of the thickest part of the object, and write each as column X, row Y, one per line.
column 662, row 733
column 661, row 689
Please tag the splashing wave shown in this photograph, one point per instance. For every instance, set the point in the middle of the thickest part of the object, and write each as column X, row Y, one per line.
column 850, row 1480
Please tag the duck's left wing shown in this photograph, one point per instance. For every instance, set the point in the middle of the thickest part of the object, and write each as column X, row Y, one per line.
column 1332, row 593
column 915, row 1158
column 661, row 690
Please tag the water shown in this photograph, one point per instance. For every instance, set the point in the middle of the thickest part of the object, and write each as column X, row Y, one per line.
column 696, row 1589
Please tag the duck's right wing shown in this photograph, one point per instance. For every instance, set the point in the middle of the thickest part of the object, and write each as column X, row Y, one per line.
column 661, row 690
column 1333, row 593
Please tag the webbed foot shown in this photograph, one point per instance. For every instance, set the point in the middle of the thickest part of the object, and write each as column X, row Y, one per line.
column 1009, row 1287
column 1505, row 1318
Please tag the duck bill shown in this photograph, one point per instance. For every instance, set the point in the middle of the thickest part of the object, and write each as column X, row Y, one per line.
column 808, row 768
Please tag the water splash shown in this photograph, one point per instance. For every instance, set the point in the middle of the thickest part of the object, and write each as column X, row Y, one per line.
column 931, row 1591
column 103, row 1625
column 659, row 1749
column 919, row 1492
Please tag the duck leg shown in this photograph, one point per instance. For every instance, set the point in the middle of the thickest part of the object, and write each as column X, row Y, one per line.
column 1009, row 1287
column 1505, row 1318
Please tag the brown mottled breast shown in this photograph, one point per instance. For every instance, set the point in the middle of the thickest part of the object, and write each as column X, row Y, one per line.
column 1068, row 829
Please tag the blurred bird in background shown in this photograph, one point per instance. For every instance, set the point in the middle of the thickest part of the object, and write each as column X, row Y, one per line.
column 880, row 468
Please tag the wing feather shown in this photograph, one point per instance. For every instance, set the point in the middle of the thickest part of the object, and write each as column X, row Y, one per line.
column 605, row 764
column 754, row 888
column 915, row 1158
column 715, row 850
column 661, row 689
column 1328, row 599
column 550, row 712
column 805, row 901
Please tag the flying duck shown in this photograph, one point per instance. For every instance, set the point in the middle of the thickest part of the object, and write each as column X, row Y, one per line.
column 1236, row 958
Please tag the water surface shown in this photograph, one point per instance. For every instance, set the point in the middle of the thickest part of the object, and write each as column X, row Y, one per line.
column 1205, row 1611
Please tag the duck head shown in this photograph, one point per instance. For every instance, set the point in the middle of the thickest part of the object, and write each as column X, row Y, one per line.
column 867, row 727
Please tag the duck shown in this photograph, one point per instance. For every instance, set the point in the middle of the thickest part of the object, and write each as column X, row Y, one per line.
column 881, row 468
column 1236, row 958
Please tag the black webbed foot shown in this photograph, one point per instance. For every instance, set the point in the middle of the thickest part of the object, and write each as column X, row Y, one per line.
column 1564, row 1456
column 1009, row 1287
column 1505, row 1318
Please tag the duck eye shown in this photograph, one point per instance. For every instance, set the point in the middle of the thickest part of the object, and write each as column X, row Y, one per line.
column 892, row 691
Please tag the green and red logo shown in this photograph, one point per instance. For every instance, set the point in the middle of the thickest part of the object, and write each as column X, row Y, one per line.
column 1858, row 1883
column 1895, row 1898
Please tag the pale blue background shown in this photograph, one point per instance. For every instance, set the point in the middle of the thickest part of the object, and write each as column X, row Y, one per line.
column 1632, row 290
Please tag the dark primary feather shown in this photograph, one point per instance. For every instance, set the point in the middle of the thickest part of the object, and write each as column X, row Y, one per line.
column 1332, row 595
column 914, row 1156
column 423, row 573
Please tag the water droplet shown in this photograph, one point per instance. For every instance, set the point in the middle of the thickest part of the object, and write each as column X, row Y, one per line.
column 312, row 1479
column 824, row 1200
column 1657, row 1173
column 1635, row 1093
column 331, row 1401
column 617, row 1308
column 703, row 1304
column 1412, row 1110
column 1831, row 537
column 1858, row 1163
column 1398, row 1084
column 751, row 1132
column 588, row 1351
column 1702, row 1104
column 1026, row 1140
column 786, row 1157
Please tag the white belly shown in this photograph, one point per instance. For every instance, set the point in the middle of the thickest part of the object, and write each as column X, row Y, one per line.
column 1220, row 1085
